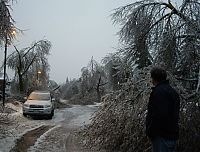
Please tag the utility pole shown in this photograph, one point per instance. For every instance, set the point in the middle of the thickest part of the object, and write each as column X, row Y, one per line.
column 4, row 74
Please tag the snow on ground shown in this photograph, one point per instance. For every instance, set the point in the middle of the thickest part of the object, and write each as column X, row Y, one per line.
column 20, row 125
column 64, row 101
column 81, row 120
column 84, row 115
column 16, row 131
column 17, row 106
column 73, row 117
column 59, row 115
column 55, row 139
column 96, row 104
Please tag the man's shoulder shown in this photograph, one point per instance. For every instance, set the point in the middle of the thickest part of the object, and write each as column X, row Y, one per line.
column 164, row 88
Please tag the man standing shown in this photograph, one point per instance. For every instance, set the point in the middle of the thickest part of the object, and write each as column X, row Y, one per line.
column 163, row 113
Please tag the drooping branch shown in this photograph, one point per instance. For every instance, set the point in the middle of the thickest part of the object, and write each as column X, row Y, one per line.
column 186, row 79
column 198, row 84
column 19, row 56
column 29, row 65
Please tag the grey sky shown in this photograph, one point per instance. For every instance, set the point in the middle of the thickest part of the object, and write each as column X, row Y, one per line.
column 78, row 30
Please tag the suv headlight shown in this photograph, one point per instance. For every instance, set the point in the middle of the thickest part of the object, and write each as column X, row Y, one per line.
column 47, row 106
column 26, row 105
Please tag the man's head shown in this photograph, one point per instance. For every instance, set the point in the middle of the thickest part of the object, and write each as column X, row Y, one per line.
column 158, row 74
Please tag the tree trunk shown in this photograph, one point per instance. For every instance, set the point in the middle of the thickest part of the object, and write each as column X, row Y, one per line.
column 98, row 90
column 98, row 96
column 21, row 83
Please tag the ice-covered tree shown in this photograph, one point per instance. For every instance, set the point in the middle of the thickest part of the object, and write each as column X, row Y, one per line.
column 93, row 79
column 117, row 70
column 152, row 32
column 6, row 22
column 159, row 32
column 28, row 61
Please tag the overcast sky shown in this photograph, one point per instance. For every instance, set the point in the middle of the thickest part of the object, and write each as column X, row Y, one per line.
column 77, row 29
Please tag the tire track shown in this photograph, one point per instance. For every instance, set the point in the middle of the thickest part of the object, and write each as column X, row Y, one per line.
column 29, row 139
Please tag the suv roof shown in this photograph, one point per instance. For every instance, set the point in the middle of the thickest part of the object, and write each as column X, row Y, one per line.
column 37, row 91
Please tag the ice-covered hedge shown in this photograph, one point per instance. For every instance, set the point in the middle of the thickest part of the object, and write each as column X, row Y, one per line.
column 119, row 124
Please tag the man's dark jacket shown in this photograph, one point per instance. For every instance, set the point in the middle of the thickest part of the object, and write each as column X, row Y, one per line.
column 163, row 112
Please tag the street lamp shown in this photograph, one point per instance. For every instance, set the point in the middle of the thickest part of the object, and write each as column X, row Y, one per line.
column 39, row 72
column 38, row 76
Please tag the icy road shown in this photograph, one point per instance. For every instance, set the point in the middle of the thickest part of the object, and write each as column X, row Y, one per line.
column 32, row 135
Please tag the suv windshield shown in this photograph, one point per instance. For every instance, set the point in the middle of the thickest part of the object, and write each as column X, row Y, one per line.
column 39, row 96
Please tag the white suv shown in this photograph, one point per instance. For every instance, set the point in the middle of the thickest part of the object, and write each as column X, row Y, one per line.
column 39, row 103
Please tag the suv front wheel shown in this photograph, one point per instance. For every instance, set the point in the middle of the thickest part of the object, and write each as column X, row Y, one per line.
column 24, row 114
column 51, row 115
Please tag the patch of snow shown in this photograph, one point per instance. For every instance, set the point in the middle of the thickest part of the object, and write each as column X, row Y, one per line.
column 17, row 106
column 59, row 117
column 6, row 144
column 81, row 120
column 64, row 101
column 83, row 113
column 96, row 104
column 18, row 128
column 78, row 109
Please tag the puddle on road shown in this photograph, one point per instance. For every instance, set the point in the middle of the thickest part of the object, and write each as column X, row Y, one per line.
column 29, row 139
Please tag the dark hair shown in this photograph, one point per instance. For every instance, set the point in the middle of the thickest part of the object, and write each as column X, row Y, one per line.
column 158, row 74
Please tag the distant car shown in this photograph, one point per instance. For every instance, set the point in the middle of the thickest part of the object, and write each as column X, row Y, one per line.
column 39, row 103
